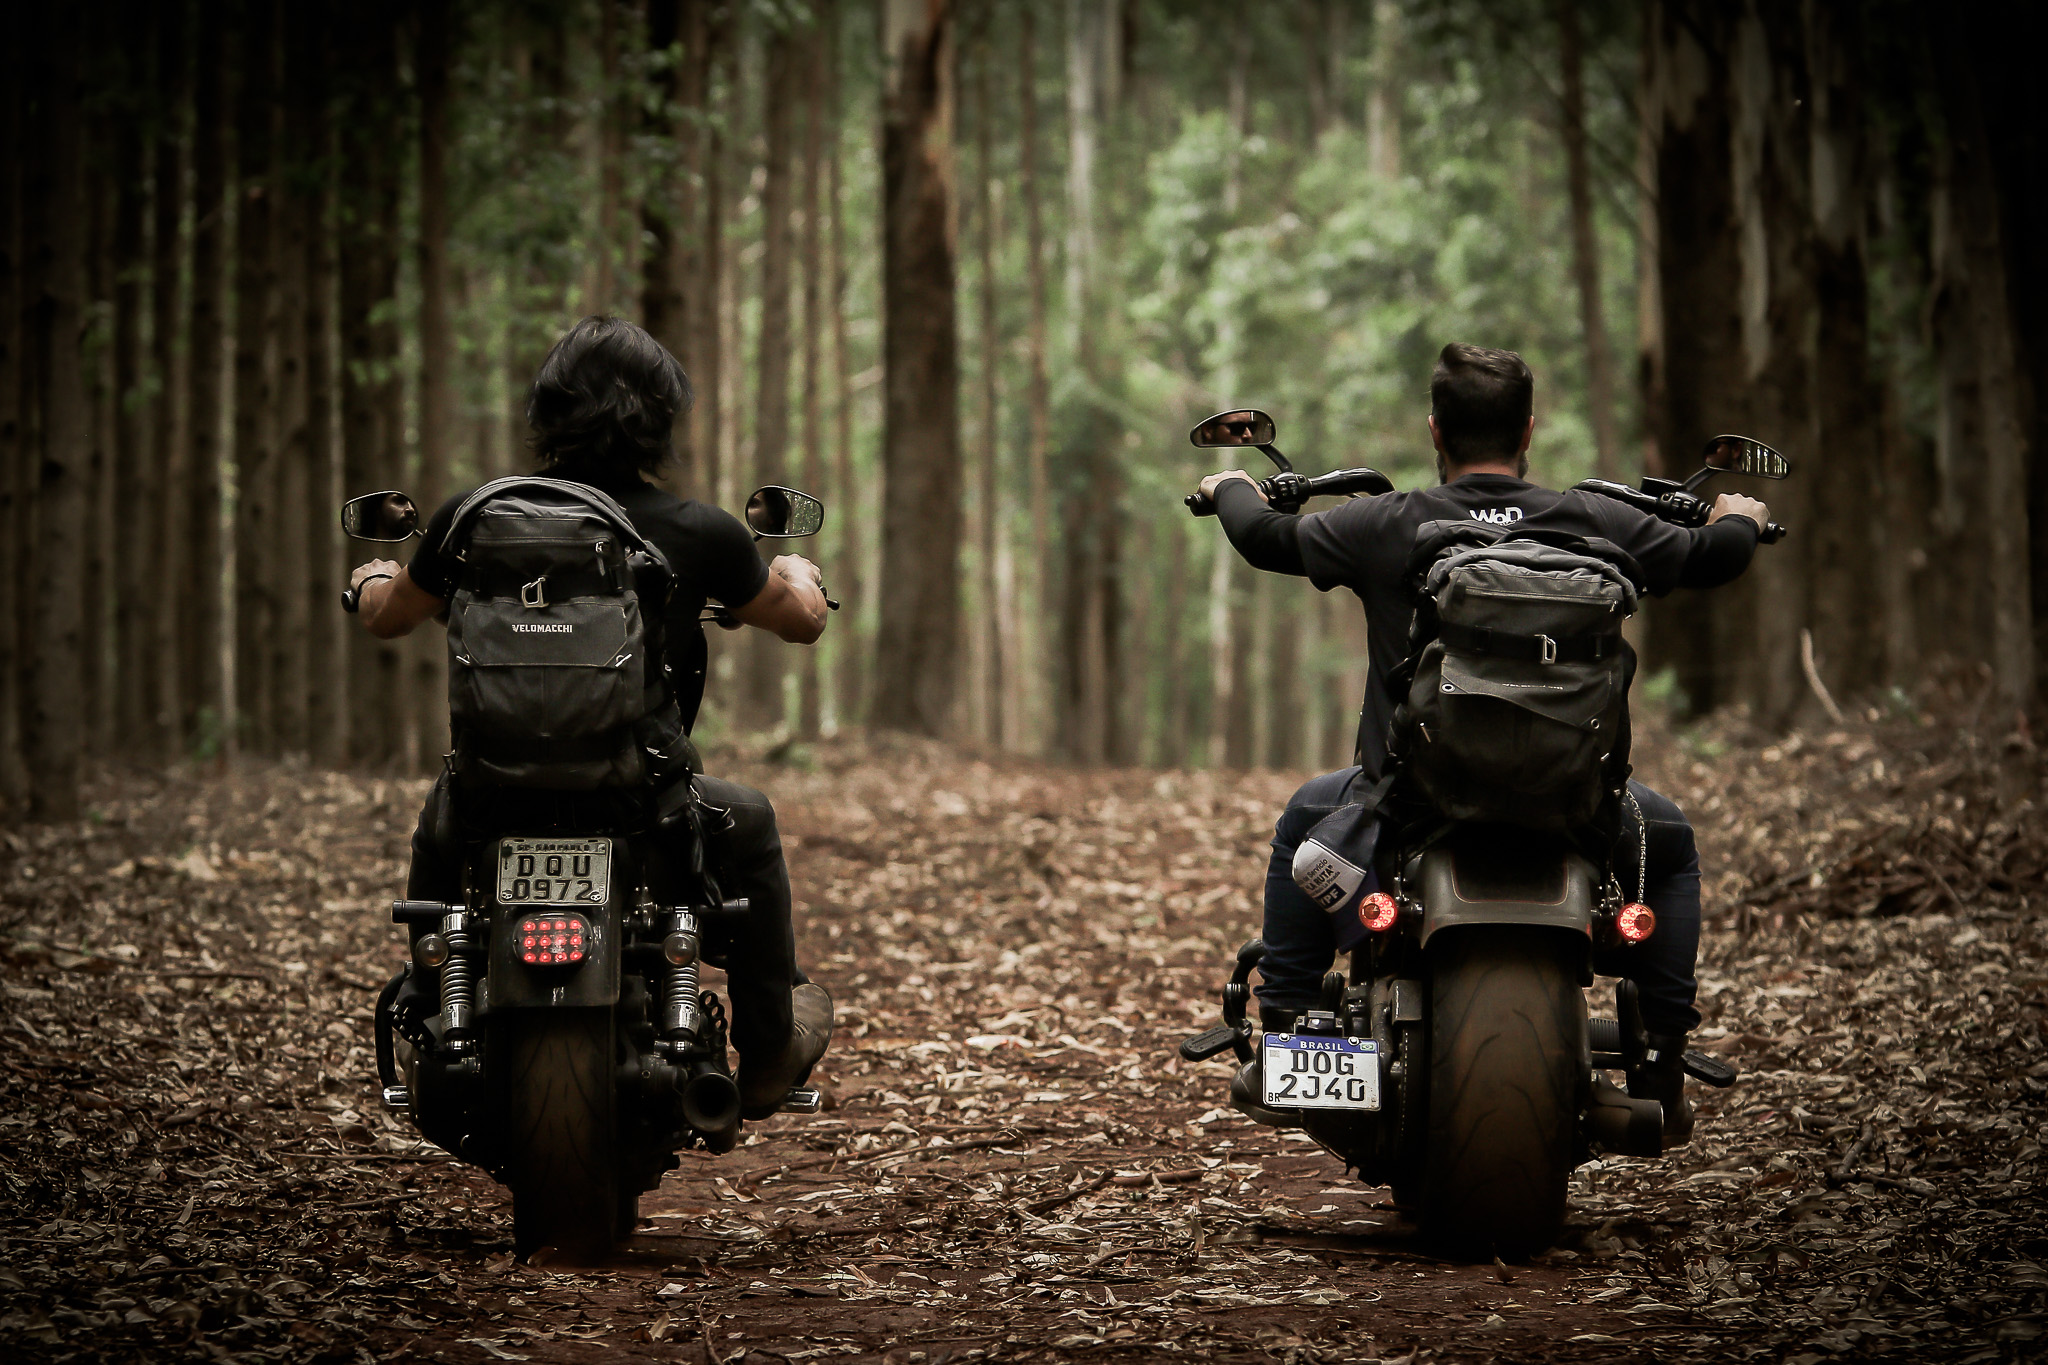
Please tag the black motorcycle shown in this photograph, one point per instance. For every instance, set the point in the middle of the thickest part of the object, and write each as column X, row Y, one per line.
column 1461, row 1068
column 551, row 1028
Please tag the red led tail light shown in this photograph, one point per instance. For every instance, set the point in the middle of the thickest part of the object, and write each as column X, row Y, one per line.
column 552, row 940
column 1636, row 922
column 1378, row 912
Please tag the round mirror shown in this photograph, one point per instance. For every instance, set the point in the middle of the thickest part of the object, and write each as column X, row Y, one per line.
column 1742, row 455
column 387, row 516
column 1244, row 427
column 780, row 512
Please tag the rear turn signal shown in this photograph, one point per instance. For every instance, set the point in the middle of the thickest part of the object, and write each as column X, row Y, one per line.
column 1378, row 912
column 1636, row 921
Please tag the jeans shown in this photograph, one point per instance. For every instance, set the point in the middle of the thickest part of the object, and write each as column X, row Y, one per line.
column 1301, row 947
column 744, row 850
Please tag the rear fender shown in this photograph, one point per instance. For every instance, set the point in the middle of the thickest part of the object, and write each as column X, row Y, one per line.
column 1507, row 877
column 512, row 983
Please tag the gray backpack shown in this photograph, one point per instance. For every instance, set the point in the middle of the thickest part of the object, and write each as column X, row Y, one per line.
column 554, row 649
column 1515, row 709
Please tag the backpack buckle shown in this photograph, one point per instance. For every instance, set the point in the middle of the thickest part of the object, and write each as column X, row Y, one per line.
column 1547, row 650
column 534, row 594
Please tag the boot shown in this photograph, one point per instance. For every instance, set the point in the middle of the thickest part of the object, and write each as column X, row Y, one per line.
column 1248, row 1086
column 1661, row 1077
column 764, row 1085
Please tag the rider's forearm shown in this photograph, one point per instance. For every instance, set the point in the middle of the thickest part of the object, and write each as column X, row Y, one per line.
column 1267, row 539
column 1720, row 553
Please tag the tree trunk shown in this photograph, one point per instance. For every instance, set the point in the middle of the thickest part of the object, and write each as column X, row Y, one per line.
column 706, row 329
column 1699, row 288
column 295, row 616
column 601, row 288
column 327, row 694
column 760, row 700
column 1038, row 394
column 54, row 234
column 431, row 59
column 15, row 143
column 95, row 670
column 811, row 53
column 988, row 493
column 918, row 647
column 200, row 598
column 1383, row 103
column 1585, row 247
column 849, row 707
column 255, row 518
column 133, row 483
column 661, row 294
column 166, row 557
column 368, row 261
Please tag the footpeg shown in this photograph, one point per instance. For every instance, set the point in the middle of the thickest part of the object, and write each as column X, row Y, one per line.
column 803, row 1099
column 1222, row 1038
column 398, row 1099
column 1709, row 1070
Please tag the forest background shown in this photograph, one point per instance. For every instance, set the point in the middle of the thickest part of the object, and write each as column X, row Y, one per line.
column 969, row 271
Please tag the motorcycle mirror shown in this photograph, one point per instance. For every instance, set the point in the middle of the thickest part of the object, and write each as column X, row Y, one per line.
column 1741, row 455
column 1243, row 427
column 388, row 516
column 784, row 513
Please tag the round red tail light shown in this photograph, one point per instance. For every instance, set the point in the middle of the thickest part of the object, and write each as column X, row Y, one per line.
column 1378, row 912
column 1636, row 921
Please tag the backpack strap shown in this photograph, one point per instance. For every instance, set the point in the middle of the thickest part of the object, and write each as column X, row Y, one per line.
column 1542, row 649
column 600, row 503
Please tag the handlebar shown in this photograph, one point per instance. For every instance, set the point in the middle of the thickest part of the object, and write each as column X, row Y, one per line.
column 1287, row 492
column 1673, row 505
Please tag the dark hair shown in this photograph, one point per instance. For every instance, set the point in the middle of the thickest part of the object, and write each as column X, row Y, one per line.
column 606, row 400
column 1481, row 400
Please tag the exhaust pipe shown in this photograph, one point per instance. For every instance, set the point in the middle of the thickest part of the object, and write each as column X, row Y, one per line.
column 711, row 1102
column 1627, row 1127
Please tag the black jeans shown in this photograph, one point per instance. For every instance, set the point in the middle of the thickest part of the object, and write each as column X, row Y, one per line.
column 745, row 851
column 1301, row 946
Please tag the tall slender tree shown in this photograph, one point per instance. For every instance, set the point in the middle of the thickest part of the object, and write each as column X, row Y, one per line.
column 849, row 674
column 133, row 481
column 164, row 553
column 811, row 55
column 1585, row 249
column 1038, row 389
column 55, row 204
column 988, row 516
column 432, row 56
column 917, row 648
column 327, row 677
column 201, row 604
column 255, row 425
column 14, row 149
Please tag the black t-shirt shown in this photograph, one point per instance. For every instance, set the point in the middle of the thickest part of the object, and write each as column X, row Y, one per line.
column 710, row 552
column 1364, row 545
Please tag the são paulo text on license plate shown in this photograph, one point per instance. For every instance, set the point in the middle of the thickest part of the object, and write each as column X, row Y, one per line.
column 1308, row 1071
column 554, row 871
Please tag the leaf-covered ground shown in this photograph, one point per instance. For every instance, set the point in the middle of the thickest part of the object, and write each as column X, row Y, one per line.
column 193, row 1164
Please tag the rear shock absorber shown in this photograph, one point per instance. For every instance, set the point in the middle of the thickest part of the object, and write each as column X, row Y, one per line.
column 681, row 1013
column 458, row 982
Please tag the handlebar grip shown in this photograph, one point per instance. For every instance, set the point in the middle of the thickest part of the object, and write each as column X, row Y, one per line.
column 1199, row 505
column 351, row 600
column 1772, row 534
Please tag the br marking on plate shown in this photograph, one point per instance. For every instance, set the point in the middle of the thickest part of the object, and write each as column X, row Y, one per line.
column 1314, row 1071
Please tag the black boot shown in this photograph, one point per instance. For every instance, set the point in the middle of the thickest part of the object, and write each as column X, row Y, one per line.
column 1248, row 1086
column 1661, row 1077
column 764, row 1084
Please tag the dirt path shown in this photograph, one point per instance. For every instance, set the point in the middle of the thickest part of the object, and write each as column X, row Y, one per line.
column 1015, row 1167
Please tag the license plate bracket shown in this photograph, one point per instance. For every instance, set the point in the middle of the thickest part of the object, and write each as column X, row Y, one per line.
column 1320, row 1071
column 571, row 872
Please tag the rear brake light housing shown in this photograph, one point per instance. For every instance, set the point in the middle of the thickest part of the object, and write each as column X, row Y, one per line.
column 1635, row 922
column 559, row 939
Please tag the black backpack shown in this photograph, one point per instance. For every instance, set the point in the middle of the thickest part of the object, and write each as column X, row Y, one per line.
column 1512, row 706
column 555, row 678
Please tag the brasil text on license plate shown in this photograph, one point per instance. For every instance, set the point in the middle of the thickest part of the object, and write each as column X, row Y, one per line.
column 1309, row 1071
column 554, row 871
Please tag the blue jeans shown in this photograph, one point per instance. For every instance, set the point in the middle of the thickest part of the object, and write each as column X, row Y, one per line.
column 1300, row 946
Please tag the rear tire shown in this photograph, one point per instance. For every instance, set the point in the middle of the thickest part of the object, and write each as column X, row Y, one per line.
column 1507, row 1051
column 560, row 1131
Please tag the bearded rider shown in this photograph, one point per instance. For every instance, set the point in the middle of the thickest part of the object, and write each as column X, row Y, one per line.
column 1481, row 419
column 602, row 411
